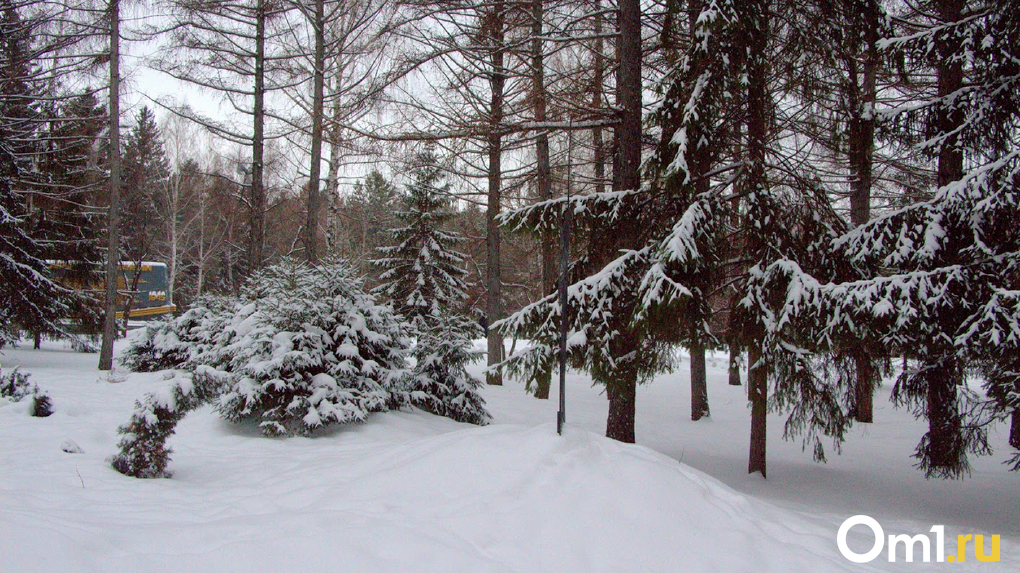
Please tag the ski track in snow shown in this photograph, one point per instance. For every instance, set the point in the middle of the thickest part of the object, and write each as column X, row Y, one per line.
column 411, row 492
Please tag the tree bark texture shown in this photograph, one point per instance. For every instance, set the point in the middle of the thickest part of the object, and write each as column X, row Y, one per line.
column 113, row 240
column 315, row 168
column 699, row 383
column 598, row 83
column 622, row 395
column 626, row 170
column 757, row 393
column 944, row 451
column 543, row 171
column 257, row 201
column 864, row 387
column 757, row 34
column 493, row 275
column 861, row 155
column 1014, row 430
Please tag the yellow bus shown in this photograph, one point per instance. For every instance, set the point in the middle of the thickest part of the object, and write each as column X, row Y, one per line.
column 144, row 285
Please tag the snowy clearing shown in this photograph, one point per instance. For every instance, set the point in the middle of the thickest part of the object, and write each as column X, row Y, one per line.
column 413, row 492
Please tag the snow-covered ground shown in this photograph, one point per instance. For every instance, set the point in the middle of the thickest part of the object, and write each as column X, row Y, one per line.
column 412, row 492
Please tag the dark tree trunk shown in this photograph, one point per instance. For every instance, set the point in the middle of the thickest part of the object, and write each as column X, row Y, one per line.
column 734, row 365
column 113, row 244
column 257, row 216
column 629, row 95
column 622, row 394
column 944, row 454
column 757, row 393
column 543, row 171
column 861, row 152
column 315, row 168
column 757, row 32
column 864, row 387
column 699, row 383
column 626, row 175
column 494, row 301
column 950, row 80
column 599, row 151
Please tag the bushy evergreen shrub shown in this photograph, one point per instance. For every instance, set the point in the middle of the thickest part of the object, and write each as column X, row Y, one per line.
column 175, row 341
column 441, row 384
column 310, row 349
column 16, row 387
column 143, row 449
column 424, row 281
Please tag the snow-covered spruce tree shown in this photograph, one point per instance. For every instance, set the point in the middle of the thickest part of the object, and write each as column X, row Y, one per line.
column 308, row 348
column 944, row 272
column 603, row 296
column 423, row 272
column 424, row 281
column 180, row 342
column 145, row 173
column 143, row 450
column 29, row 300
column 707, row 220
column 602, row 337
column 16, row 387
column 304, row 348
column 691, row 249
column 440, row 382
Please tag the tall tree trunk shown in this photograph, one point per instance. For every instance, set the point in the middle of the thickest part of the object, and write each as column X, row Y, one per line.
column 333, row 171
column 113, row 244
column 257, row 218
column 200, row 281
column 318, row 88
column 494, row 301
column 699, row 383
column 757, row 393
column 861, row 152
column 543, row 171
column 757, row 31
column 598, row 81
column 944, row 453
column 626, row 175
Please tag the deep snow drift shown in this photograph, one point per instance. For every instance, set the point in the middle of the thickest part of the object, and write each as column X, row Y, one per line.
column 412, row 492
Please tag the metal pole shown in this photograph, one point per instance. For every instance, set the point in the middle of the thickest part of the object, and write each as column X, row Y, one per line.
column 561, row 416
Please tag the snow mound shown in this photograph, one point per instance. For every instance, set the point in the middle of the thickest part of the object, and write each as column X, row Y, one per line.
column 384, row 498
column 507, row 498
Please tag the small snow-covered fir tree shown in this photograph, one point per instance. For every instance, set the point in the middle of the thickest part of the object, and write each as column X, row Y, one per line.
column 308, row 349
column 423, row 275
column 15, row 386
column 143, row 450
column 441, row 383
column 424, row 281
